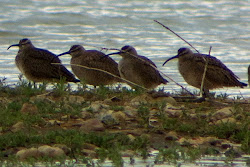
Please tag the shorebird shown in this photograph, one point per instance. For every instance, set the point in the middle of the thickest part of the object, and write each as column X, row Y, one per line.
column 191, row 66
column 85, row 65
column 138, row 69
column 37, row 64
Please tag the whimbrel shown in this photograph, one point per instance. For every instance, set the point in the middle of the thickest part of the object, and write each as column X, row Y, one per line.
column 36, row 64
column 191, row 66
column 138, row 69
column 93, row 59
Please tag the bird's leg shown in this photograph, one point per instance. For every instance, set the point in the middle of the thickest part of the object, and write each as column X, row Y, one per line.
column 34, row 85
column 205, row 94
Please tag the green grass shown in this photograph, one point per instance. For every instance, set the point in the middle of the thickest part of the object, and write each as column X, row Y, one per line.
column 111, row 143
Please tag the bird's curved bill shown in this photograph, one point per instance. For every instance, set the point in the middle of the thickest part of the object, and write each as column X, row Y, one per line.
column 115, row 53
column 177, row 56
column 12, row 45
column 64, row 53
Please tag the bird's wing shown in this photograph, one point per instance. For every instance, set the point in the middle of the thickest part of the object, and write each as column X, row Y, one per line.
column 40, row 63
column 216, row 70
column 96, row 59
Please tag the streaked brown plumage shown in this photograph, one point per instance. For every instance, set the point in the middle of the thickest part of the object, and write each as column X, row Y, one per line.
column 138, row 69
column 191, row 66
column 93, row 59
column 36, row 64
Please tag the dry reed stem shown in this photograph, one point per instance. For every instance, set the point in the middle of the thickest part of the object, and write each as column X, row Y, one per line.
column 204, row 73
column 97, row 69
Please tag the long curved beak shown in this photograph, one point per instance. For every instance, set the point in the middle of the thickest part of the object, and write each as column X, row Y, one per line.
column 115, row 53
column 12, row 45
column 177, row 56
column 68, row 52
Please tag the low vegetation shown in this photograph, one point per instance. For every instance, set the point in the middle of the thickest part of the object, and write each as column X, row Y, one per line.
column 52, row 118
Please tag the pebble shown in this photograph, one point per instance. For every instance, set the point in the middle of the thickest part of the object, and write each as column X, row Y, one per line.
column 29, row 108
column 64, row 118
column 75, row 99
column 96, row 107
column 17, row 127
column 130, row 111
column 89, row 153
column 89, row 146
column 92, row 125
column 147, row 98
column 49, row 151
column 63, row 147
column 222, row 113
column 172, row 113
column 28, row 153
column 226, row 120
column 86, row 115
column 171, row 136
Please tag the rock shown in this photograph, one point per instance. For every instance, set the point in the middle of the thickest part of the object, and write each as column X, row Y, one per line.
column 113, row 99
column 92, row 125
column 107, row 118
column 29, row 108
column 168, row 100
column 111, row 117
column 89, row 146
column 17, row 127
column 138, row 100
column 28, row 153
column 96, row 107
column 173, row 113
column 119, row 116
column 222, row 113
column 63, row 147
column 226, row 120
column 130, row 111
column 193, row 117
column 64, row 118
column 86, row 115
column 190, row 142
column 148, row 98
column 44, row 97
column 171, row 136
column 131, row 137
column 51, row 123
column 49, row 151
column 75, row 99
column 89, row 153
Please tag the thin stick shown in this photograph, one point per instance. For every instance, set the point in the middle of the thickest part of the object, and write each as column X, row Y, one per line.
column 110, row 49
column 204, row 73
column 209, row 53
column 97, row 69
column 176, row 35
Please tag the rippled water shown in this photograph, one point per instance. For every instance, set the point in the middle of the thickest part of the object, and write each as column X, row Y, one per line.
column 56, row 25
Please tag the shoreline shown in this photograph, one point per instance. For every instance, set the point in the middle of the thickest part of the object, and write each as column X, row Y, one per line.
column 109, row 123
